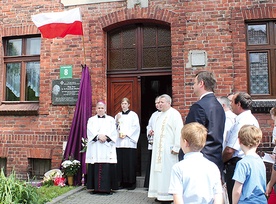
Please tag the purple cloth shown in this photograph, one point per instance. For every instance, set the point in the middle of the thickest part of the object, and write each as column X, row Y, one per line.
column 78, row 129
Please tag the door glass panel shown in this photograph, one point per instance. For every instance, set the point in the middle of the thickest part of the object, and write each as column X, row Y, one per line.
column 115, row 40
column 128, row 38
column 156, row 52
column 149, row 36
column 164, row 57
column 13, row 81
column 122, row 50
column 257, row 34
column 129, row 61
column 164, row 37
column 259, row 81
column 150, row 57
column 114, row 59
column 139, row 47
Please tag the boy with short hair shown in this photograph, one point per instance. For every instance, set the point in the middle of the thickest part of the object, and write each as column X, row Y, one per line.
column 250, row 172
column 195, row 179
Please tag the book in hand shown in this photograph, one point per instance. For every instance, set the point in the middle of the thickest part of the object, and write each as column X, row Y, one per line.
column 269, row 158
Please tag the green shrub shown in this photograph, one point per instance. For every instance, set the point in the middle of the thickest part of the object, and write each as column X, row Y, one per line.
column 14, row 191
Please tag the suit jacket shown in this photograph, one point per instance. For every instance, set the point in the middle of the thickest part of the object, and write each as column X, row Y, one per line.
column 209, row 112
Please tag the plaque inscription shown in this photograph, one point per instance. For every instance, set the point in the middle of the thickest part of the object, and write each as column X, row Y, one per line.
column 65, row 91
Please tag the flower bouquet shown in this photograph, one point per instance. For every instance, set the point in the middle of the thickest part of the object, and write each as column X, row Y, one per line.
column 51, row 177
column 84, row 144
column 70, row 167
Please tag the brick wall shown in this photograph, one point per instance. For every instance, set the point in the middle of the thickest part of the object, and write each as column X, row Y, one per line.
column 216, row 27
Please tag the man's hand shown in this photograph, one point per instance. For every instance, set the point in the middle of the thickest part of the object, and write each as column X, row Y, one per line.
column 227, row 154
column 102, row 138
column 173, row 152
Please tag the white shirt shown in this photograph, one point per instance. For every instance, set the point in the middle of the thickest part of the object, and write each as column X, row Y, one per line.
column 245, row 118
column 273, row 135
column 229, row 122
column 195, row 178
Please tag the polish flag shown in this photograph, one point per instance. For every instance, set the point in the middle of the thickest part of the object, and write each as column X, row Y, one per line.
column 59, row 24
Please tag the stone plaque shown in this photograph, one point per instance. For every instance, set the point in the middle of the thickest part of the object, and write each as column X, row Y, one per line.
column 65, row 91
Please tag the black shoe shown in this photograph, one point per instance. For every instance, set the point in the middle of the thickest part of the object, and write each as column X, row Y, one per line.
column 101, row 193
column 131, row 187
column 163, row 201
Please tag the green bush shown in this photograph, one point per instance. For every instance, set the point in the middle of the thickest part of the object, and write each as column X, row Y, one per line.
column 14, row 191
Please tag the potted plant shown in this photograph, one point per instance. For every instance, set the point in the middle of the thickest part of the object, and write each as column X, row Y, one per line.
column 70, row 168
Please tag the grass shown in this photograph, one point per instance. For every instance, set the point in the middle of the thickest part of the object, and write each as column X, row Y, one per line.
column 48, row 193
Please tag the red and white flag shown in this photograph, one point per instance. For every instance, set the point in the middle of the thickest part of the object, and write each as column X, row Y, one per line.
column 59, row 24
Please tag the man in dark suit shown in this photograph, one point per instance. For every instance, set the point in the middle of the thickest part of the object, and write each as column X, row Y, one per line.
column 208, row 112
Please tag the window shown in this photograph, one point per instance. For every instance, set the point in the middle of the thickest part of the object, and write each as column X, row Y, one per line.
column 22, row 69
column 3, row 164
column 38, row 167
column 261, row 53
column 139, row 47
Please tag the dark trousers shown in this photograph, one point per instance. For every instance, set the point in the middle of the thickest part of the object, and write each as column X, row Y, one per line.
column 180, row 155
column 147, row 177
column 230, row 168
column 126, row 166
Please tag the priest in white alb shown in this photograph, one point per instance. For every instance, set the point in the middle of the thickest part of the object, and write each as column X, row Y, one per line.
column 166, row 145
column 101, row 154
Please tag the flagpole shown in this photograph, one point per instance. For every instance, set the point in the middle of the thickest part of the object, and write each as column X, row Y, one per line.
column 83, row 49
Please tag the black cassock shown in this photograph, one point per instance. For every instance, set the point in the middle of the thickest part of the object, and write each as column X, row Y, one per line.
column 102, row 177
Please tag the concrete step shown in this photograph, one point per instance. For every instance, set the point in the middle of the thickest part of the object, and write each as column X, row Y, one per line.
column 140, row 181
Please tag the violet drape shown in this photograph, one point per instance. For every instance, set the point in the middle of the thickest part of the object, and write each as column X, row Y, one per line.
column 83, row 112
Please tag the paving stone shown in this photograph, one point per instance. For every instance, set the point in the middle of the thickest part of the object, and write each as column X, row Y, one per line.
column 82, row 196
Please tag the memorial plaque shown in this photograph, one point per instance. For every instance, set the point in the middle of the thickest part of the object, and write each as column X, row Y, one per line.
column 65, row 91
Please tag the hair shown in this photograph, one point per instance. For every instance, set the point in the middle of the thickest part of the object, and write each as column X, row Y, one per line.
column 195, row 134
column 250, row 135
column 224, row 100
column 125, row 99
column 273, row 111
column 101, row 103
column 231, row 95
column 208, row 78
column 167, row 97
column 244, row 99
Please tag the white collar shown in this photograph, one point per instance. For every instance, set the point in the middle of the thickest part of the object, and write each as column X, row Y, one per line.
column 205, row 94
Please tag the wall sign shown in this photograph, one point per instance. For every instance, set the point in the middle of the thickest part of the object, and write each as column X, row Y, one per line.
column 65, row 91
column 65, row 71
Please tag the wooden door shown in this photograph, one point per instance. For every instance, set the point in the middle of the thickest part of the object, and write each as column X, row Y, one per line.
column 121, row 87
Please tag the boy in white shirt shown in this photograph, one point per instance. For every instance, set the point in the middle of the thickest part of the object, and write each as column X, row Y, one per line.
column 195, row 179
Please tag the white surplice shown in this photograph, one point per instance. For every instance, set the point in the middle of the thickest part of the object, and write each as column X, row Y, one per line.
column 98, row 152
column 167, row 135
column 128, row 124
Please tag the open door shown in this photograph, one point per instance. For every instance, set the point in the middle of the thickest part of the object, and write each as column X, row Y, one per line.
column 119, row 88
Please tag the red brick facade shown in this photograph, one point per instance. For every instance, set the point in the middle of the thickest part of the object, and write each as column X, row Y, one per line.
column 217, row 27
